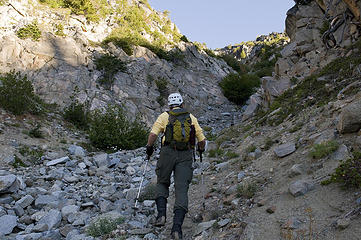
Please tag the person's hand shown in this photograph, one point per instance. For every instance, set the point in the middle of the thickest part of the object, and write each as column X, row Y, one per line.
column 150, row 150
column 199, row 148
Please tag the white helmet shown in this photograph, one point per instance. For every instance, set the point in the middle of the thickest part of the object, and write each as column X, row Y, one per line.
column 175, row 99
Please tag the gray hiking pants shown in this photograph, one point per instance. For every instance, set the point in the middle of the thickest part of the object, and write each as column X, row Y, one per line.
column 179, row 162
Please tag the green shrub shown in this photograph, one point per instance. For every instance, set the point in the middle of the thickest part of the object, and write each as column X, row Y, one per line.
column 33, row 155
column 17, row 95
column 162, row 84
column 18, row 162
column 231, row 155
column 325, row 27
column 232, row 62
column 109, row 65
column 210, row 53
column 251, row 148
column 247, row 189
column 238, row 88
column 348, row 173
column 59, row 30
column 184, row 38
column 103, row 226
column 324, row 149
column 215, row 152
column 30, row 31
column 36, row 132
column 77, row 114
column 123, row 43
column 113, row 131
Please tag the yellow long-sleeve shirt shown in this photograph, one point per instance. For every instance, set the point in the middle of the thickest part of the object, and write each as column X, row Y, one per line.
column 162, row 122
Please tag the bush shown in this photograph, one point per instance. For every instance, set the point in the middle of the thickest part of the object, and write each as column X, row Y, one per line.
column 238, row 88
column 59, row 30
column 162, row 84
column 109, row 65
column 215, row 152
column 324, row 149
column 232, row 62
column 103, row 226
column 77, row 114
column 113, row 131
column 348, row 173
column 30, row 31
column 123, row 43
column 36, row 132
column 17, row 95
column 33, row 155
column 247, row 189
column 184, row 39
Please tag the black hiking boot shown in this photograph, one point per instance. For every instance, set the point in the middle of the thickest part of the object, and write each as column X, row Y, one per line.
column 178, row 219
column 162, row 210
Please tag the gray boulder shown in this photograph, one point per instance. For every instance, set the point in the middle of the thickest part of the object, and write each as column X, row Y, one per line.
column 25, row 201
column 8, row 184
column 285, row 149
column 76, row 151
column 350, row 118
column 57, row 161
column 300, row 187
column 7, row 224
column 52, row 219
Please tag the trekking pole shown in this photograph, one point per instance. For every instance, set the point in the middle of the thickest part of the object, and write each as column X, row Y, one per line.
column 202, row 180
column 141, row 182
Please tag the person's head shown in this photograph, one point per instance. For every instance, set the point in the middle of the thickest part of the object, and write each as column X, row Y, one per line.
column 175, row 100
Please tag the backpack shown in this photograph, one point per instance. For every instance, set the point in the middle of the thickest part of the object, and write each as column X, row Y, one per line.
column 179, row 133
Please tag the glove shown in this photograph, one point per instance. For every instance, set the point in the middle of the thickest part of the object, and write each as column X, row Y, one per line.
column 150, row 150
column 200, row 150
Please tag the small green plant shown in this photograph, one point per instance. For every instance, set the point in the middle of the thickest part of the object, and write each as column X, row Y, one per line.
column 160, row 100
column 251, row 148
column 32, row 154
column 268, row 143
column 325, row 26
column 215, row 152
column 109, row 65
column 103, row 226
column 36, row 132
column 17, row 95
column 231, row 155
column 30, row 31
column 247, row 189
column 123, row 43
column 59, row 30
column 18, row 162
column 324, row 149
column 77, row 114
column 348, row 173
column 112, row 130
column 184, row 39
column 162, row 84
column 238, row 88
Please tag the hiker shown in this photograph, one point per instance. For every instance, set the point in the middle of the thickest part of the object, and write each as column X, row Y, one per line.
column 180, row 129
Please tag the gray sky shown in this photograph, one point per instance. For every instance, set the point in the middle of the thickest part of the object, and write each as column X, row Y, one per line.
column 220, row 23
